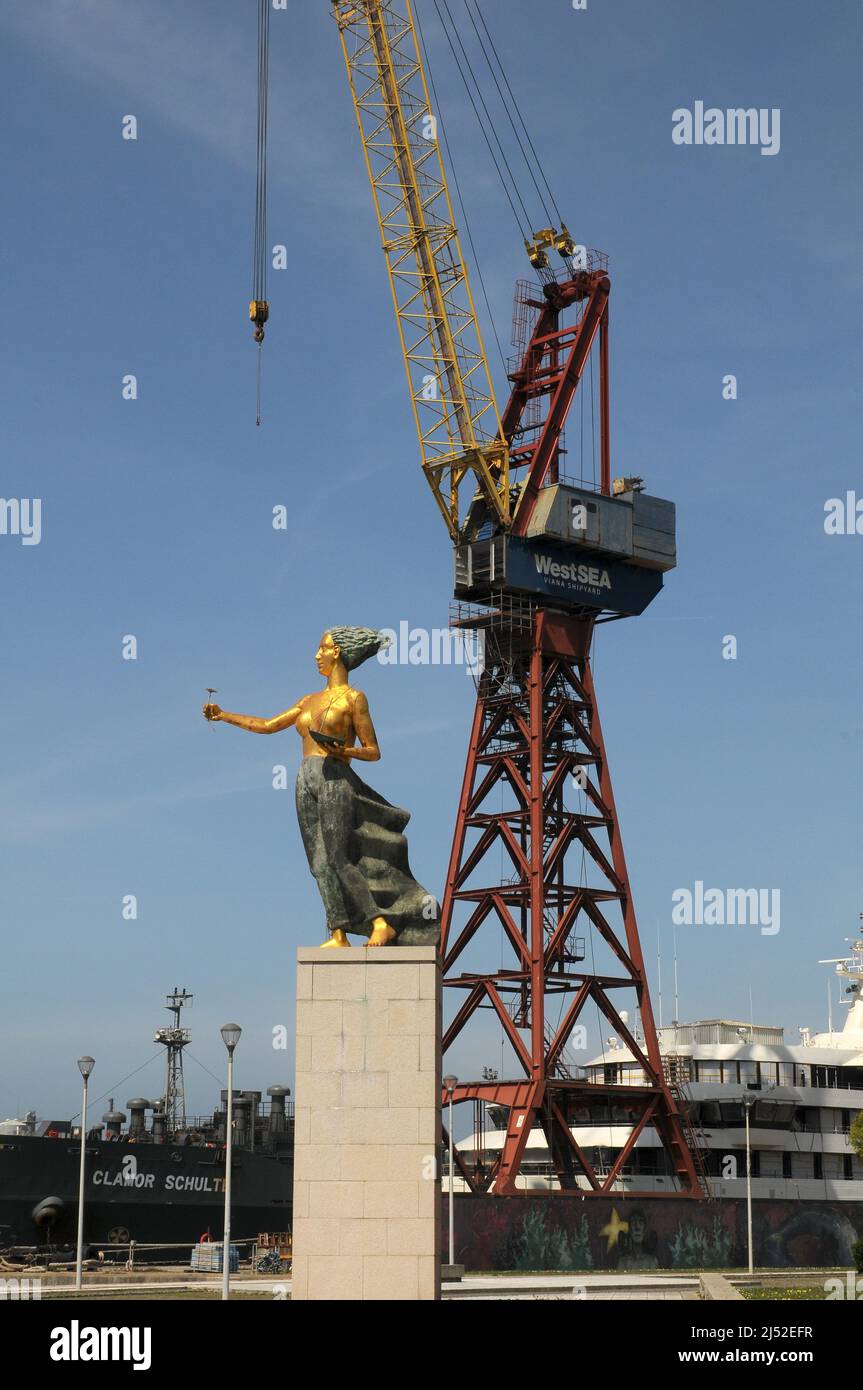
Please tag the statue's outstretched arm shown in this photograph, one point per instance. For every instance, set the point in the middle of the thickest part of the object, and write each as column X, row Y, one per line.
column 252, row 722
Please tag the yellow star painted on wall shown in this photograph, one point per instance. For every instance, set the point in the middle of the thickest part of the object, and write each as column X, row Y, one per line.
column 614, row 1229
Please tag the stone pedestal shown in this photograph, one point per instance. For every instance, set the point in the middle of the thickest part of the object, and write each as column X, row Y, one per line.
column 366, row 1219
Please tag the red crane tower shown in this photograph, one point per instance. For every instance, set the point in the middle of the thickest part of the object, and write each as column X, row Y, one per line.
column 537, row 869
column 570, row 560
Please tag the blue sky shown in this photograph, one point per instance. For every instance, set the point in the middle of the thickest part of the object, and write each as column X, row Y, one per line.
column 135, row 257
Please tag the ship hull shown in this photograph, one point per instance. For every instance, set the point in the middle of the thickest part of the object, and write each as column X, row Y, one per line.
column 145, row 1192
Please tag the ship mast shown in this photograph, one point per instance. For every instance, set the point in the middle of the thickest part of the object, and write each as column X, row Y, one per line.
column 174, row 1039
column 850, row 967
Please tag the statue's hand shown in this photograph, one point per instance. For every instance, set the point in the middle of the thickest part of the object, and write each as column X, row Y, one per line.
column 213, row 713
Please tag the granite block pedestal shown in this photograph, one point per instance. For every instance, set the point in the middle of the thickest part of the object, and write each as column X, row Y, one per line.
column 366, row 1222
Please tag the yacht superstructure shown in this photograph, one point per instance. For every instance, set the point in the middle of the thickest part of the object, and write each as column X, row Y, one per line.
column 802, row 1098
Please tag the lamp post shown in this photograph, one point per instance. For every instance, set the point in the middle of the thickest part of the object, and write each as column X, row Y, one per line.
column 230, row 1037
column 85, row 1066
column 748, row 1102
column 768, row 1110
column 450, row 1083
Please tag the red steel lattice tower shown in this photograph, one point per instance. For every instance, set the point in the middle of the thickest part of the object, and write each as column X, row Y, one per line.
column 536, row 745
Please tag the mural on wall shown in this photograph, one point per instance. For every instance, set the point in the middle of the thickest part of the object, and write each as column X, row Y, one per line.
column 574, row 1233
column 701, row 1246
column 555, row 1247
column 810, row 1235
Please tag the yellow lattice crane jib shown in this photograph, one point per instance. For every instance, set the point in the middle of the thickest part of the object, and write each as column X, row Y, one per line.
column 457, row 418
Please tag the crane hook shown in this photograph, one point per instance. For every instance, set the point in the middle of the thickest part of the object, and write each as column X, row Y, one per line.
column 259, row 312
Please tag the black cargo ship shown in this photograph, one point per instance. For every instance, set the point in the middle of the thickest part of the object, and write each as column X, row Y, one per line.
column 154, row 1177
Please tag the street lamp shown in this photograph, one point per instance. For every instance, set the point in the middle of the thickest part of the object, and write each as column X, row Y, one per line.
column 230, row 1037
column 450, row 1083
column 85, row 1066
column 748, row 1102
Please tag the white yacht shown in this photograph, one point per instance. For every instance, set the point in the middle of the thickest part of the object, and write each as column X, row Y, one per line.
column 801, row 1097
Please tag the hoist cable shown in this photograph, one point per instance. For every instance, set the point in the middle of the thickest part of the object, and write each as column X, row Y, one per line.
column 258, row 309
column 593, row 418
column 491, row 123
column 518, row 112
column 521, row 225
column 503, row 101
column 259, row 270
column 463, row 210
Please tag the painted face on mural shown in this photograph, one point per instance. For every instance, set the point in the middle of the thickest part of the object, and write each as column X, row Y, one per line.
column 637, row 1228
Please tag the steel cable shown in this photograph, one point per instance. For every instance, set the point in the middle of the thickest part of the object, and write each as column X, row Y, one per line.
column 519, row 114
column 259, row 267
column 524, row 226
column 506, row 108
column 464, row 216
column 259, row 254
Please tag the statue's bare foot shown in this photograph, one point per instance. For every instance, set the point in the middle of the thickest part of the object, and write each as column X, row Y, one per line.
column 382, row 933
column 337, row 938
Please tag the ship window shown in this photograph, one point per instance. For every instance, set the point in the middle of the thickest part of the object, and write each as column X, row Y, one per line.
column 710, row 1072
column 825, row 1077
column 808, row 1121
column 775, row 1112
column 732, row 1112
column 651, row 1162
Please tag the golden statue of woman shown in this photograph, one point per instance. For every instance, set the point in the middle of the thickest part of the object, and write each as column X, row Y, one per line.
column 352, row 836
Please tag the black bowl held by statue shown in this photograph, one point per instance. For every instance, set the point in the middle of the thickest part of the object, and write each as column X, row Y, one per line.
column 326, row 740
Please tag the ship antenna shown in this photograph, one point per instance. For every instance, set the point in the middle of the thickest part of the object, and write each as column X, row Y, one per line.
column 659, row 970
column 829, row 1007
column 174, row 1039
column 849, row 967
